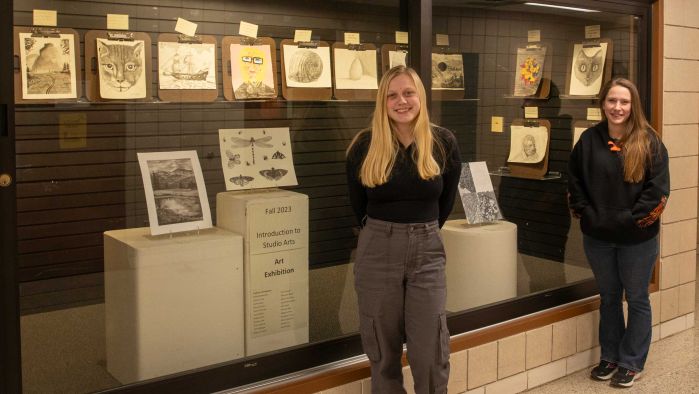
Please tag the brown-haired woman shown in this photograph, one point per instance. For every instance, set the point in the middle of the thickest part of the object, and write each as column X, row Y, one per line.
column 618, row 186
column 402, row 175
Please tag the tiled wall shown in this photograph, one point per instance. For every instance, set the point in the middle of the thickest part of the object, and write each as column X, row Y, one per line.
column 681, row 136
column 535, row 357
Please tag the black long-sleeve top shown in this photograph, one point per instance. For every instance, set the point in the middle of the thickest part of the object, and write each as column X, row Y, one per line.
column 406, row 198
column 609, row 208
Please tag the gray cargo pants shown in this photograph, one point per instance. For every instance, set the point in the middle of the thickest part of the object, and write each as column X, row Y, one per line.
column 400, row 281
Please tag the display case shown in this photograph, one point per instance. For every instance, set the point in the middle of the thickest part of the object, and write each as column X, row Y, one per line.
column 204, row 88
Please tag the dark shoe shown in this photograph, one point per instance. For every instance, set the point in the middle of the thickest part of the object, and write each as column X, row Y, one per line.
column 625, row 377
column 603, row 371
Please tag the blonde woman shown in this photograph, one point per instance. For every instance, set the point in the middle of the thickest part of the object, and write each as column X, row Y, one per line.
column 619, row 184
column 402, row 175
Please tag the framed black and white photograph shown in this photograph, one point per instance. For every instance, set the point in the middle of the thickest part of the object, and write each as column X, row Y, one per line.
column 355, row 69
column 307, row 67
column 256, row 158
column 122, row 69
column 477, row 194
column 48, row 67
column 186, row 66
column 447, row 71
column 528, row 144
column 175, row 192
column 587, row 69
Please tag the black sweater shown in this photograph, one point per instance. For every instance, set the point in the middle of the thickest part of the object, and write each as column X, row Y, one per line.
column 406, row 198
column 611, row 209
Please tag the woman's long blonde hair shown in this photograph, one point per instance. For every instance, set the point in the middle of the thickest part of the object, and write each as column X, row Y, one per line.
column 384, row 145
column 636, row 144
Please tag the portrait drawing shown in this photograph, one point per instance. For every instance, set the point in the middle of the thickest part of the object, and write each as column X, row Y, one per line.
column 252, row 72
column 122, row 69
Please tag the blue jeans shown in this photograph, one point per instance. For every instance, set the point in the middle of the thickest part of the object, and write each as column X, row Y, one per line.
column 618, row 269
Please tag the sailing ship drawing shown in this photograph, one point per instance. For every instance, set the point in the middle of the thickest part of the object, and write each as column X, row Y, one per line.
column 187, row 66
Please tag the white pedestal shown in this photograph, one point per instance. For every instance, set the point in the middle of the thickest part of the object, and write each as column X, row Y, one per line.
column 481, row 263
column 172, row 303
column 274, row 224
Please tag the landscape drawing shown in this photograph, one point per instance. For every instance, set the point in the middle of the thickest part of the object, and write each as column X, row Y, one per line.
column 355, row 69
column 186, row 66
column 307, row 67
column 175, row 192
column 477, row 194
column 530, row 68
column 252, row 74
column 528, row 144
column 122, row 69
column 447, row 71
column 256, row 158
column 48, row 67
column 587, row 69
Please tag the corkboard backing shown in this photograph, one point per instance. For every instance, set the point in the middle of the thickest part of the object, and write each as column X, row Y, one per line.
column 301, row 94
column 227, row 67
column 18, row 72
column 92, row 77
column 187, row 95
column 353, row 94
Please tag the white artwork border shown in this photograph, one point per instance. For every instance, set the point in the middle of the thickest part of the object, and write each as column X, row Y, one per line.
column 177, row 201
column 123, row 91
column 528, row 144
column 256, row 158
column 45, row 60
column 307, row 67
column 186, row 66
column 594, row 59
column 355, row 69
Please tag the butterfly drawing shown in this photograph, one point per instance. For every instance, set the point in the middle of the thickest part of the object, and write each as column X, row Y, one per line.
column 274, row 174
column 252, row 143
column 233, row 159
column 278, row 155
column 242, row 180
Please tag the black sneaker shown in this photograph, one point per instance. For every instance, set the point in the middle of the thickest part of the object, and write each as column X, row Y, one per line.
column 603, row 371
column 625, row 377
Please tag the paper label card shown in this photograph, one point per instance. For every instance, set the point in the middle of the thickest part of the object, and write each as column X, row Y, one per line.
column 186, row 27
column 592, row 31
column 401, row 37
column 534, row 36
column 352, row 39
column 594, row 114
column 117, row 22
column 72, row 130
column 531, row 112
column 442, row 40
column 496, row 124
column 248, row 29
column 302, row 35
column 45, row 18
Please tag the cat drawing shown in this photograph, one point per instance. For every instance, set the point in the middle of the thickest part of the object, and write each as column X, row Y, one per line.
column 588, row 68
column 120, row 64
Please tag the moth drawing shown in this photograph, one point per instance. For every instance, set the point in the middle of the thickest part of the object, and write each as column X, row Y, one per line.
column 233, row 158
column 274, row 174
column 242, row 180
column 278, row 156
column 252, row 142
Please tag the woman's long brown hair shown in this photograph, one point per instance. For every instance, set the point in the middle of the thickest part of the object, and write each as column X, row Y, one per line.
column 636, row 142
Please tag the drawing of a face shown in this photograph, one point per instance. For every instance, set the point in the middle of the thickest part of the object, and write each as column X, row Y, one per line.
column 402, row 101
column 529, row 146
column 251, row 65
column 588, row 68
column 120, row 64
column 617, row 106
